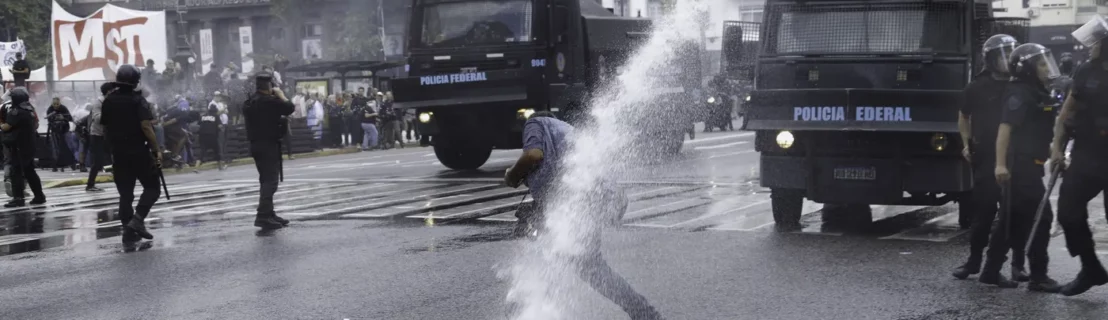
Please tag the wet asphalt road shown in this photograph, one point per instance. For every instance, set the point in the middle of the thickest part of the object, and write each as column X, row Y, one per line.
column 393, row 235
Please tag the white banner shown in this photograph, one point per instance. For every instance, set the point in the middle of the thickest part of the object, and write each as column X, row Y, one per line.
column 247, row 42
column 206, row 55
column 8, row 50
column 394, row 45
column 93, row 47
column 311, row 49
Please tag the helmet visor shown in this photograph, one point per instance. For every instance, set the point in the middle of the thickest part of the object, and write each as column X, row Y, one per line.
column 998, row 58
column 1043, row 61
column 1092, row 32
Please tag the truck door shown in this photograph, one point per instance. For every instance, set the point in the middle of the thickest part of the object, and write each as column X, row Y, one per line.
column 564, row 28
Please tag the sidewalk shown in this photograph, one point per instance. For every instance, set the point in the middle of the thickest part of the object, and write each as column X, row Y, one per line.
column 75, row 177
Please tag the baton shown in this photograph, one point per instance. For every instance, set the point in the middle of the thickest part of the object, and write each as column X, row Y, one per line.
column 161, row 177
column 165, row 188
column 1043, row 203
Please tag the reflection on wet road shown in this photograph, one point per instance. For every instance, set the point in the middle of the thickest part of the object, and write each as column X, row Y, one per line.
column 392, row 235
column 74, row 216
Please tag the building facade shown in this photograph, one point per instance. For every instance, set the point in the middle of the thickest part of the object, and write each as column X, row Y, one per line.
column 1052, row 21
column 214, row 29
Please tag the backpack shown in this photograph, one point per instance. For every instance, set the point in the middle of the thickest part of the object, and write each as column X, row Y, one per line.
column 83, row 128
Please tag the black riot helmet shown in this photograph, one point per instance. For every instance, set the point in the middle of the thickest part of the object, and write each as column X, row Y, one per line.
column 1034, row 62
column 106, row 88
column 263, row 80
column 1091, row 35
column 997, row 51
column 1065, row 63
column 128, row 74
column 19, row 95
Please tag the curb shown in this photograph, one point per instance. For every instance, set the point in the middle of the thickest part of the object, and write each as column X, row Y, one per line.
column 203, row 167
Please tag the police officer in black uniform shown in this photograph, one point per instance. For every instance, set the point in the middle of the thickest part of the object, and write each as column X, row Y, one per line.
column 263, row 113
column 1086, row 108
column 20, row 126
column 1022, row 148
column 978, row 123
column 128, row 128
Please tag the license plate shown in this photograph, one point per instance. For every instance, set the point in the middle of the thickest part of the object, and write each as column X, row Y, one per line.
column 856, row 173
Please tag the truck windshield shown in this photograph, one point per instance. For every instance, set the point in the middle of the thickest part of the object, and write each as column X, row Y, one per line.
column 866, row 29
column 469, row 23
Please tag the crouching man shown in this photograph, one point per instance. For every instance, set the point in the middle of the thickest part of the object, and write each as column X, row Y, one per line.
column 545, row 142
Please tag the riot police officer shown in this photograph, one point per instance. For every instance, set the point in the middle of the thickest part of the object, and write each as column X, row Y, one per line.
column 128, row 126
column 1022, row 148
column 263, row 113
column 20, row 126
column 1087, row 109
column 978, row 123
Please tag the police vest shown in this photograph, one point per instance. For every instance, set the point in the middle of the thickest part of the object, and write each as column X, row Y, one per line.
column 1091, row 88
column 209, row 124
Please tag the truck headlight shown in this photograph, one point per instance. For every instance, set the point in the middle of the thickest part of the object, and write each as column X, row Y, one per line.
column 939, row 142
column 711, row 99
column 785, row 139
column 425, row 117
column 525, row 113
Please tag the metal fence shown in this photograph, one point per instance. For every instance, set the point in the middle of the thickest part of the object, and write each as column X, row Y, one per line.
column 741, row 44
column 866, row 28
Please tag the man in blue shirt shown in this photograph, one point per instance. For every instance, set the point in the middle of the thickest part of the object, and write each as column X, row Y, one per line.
column 545, row 143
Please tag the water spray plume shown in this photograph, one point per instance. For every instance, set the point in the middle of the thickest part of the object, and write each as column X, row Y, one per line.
column 540, row 275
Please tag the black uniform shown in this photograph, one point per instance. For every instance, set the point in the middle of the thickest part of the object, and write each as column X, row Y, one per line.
column 263, row 114
column 984, row 99
column 1026, row 110
column 1087, row 174
column 210, row 128
column 21, row 77
column 58, row 118
column 19, row 142
column 124, row 110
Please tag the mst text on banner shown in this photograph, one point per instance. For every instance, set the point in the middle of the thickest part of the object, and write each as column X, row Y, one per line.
column 92, row 48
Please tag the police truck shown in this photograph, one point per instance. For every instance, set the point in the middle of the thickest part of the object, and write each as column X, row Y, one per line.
column 477, row 69
column 856, row 101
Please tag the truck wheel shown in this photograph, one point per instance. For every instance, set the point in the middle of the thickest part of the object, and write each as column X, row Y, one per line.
column 965, row 211
column 461, row 156
column 787, row 205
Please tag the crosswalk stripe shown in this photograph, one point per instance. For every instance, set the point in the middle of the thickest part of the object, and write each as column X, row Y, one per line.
column 467, row 199
column 688, row 205
column 304, row 193
column 493, row 213
column 66, row 202
column 284, row 200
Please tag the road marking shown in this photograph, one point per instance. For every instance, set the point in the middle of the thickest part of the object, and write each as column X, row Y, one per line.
column 731, row 136
column 720, row 146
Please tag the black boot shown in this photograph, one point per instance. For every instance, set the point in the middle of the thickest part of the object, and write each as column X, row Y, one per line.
column 129, row 236
column 1091, row 275
column 283, row 221
column 139, row 227
column 267, row 221
column 991, row 275
column 39, row 199
column 971, row 267
column 1019, row 275
column 17, row 202
column 1043, row 284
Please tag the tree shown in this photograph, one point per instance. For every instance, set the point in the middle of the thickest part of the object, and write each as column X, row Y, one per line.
column 354, row 36
column 30, row 19
column 357, row 36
